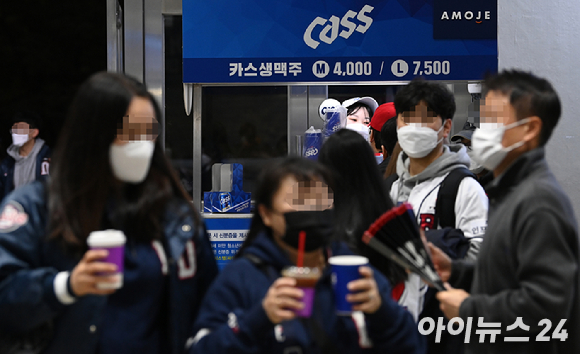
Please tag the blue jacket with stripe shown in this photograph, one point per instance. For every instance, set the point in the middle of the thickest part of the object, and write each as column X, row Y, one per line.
column 29, row 263
column 232, row 319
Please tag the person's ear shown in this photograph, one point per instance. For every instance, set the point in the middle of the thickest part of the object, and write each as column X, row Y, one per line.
column 34, row 133
column 265, row 214
column 385, row 154
column 447, row 127
column 372, row 136
column 533, row 131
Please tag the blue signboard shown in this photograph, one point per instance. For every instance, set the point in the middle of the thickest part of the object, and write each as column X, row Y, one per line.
column 226, row 236
column 232, row 41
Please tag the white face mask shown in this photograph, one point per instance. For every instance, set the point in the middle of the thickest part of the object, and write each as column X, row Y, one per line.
column 359, row 128
column 417, row 141
column 19, row 139
column 130, row 162
column 473, row 166
column 487, row 148
column 488, row 126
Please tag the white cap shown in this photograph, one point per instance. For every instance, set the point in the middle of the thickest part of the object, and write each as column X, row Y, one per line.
column 369, row 101
column 327, row 104
column 106, row 238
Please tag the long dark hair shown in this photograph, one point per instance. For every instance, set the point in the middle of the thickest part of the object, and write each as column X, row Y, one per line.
column 269, row 183
column 360, row 196
column 82, row 185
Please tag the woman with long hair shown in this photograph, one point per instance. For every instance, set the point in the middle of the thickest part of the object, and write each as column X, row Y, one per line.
column 108, row 172
column 250, row 308
column 360, row 197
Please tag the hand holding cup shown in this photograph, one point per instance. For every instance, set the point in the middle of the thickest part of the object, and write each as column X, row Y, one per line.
column 282, row 300
column 86, row 276
column 365, row 294
column 100, row 271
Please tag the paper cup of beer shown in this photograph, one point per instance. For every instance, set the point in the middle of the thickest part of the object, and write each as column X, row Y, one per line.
column 306, row 279
column 344, row 270
column 114, row 242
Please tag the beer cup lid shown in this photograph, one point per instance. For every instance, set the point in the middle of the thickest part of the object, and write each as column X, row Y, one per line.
column 106, row 238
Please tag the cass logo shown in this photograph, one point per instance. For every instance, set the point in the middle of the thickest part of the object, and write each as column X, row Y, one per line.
column 333, row 24
column 311, row 151
column 478, row 16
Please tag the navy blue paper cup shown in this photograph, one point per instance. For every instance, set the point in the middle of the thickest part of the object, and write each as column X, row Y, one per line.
column 332, row 123
column 344, row 270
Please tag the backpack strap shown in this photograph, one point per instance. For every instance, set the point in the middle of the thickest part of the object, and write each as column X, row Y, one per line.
column 389, row 183
column 261, row 265
column 445, row 205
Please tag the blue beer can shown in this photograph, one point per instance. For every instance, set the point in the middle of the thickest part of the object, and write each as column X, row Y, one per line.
column 225, row 201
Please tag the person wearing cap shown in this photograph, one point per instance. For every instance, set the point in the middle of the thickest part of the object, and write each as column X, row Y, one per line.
column 464, row 138
column 360, row 110
column 382, row 114
column 28, row 157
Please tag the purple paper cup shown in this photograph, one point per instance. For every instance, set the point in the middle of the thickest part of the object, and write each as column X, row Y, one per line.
column 114, row 242
column 306, row 279
column 344, row 270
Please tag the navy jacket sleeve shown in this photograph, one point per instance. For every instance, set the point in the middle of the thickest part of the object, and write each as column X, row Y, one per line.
column 228, row 322
column 27, row 297
column 392, row 328
column 4, row 169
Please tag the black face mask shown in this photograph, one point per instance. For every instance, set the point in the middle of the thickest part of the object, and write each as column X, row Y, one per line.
column 318, row 225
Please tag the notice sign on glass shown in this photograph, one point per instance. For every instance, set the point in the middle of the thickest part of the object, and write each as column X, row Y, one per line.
column 324, row 41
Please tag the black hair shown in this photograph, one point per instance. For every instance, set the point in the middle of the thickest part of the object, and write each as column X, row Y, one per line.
column 271, row 177
column 389, row 135
column 360, row 196
column 356, row 106
column 82, row 183
column 33, row 120
column 437, row 97
column 377, row 138
column 529, row 96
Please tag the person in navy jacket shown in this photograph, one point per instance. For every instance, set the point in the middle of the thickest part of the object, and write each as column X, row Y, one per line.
column 249, row 307
column 28, row 158
column 109, row 172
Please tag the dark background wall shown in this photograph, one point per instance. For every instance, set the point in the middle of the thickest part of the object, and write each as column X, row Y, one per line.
column 47, row 49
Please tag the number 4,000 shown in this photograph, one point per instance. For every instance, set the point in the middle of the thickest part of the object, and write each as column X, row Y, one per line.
column 432, row 68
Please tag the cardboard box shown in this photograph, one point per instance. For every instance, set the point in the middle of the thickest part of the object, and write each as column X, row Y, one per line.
column 229, row 196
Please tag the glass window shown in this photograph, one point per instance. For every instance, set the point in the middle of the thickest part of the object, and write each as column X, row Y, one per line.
column 246, row 125
column 240, row 124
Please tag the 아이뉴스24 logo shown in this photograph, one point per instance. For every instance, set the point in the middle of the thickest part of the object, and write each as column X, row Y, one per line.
column 330, row 31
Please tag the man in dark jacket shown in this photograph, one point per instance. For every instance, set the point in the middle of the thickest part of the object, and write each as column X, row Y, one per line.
column 28, row 157
column 525, row 285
